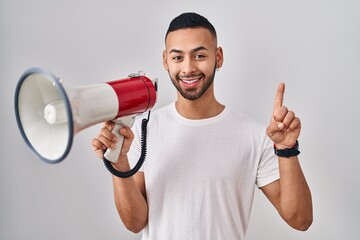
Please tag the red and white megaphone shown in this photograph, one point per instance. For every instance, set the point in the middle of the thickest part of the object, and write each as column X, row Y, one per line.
column 48, row 116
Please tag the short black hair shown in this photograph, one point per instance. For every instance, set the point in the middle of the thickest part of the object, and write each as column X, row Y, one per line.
column 190, row 20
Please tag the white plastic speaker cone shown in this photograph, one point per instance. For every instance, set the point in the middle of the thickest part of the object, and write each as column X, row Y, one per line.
column 48, row 115
column 44, row 115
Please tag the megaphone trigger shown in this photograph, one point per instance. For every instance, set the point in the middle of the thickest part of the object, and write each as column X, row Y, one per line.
column 128, row 121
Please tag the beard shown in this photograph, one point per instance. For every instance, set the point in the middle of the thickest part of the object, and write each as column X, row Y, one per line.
column 193, row 93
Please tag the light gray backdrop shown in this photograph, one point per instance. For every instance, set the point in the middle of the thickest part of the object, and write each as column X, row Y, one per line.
column 313, row 46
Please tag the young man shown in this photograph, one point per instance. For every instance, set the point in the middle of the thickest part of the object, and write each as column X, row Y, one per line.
column 204, row 159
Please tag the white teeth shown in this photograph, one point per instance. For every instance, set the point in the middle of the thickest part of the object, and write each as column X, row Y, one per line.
column 190, row 82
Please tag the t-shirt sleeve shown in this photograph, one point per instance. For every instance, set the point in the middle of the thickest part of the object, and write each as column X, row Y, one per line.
column 268, row 168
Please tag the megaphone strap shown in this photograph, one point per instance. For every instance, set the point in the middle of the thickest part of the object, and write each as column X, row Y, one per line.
column 141, row 160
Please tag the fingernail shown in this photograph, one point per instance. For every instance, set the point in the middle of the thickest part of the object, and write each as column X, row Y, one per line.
column 115, row 140
column 113, row 146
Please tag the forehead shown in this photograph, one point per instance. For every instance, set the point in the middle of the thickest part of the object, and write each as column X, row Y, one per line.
column 190, row 38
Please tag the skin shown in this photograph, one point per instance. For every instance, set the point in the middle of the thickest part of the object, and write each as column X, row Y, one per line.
column 191, row 57
column 290, row 194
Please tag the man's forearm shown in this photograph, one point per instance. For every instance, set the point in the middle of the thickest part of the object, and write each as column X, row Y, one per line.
column 130, row 201
column 295, row 197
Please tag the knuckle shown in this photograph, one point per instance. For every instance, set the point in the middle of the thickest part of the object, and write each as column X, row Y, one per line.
column 99, row 153
column 104, row 130
column 290, row 115
column 99, row 137
column 284, row 109
column 108, row 123
column 131, row 135
column 94, row 142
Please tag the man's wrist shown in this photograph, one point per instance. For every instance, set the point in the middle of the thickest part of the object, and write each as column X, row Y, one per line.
column 283, row 151
column 282, row 146
column 122, row 165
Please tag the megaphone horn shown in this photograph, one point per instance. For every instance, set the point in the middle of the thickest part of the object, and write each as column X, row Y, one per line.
column 49, row 115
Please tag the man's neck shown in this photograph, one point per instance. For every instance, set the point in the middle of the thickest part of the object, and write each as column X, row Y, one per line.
column 198, row 109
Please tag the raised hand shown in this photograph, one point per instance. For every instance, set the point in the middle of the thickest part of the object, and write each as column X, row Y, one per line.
column 284, row 128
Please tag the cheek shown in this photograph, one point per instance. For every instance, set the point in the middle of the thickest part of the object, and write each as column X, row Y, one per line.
column 172, row 73
column 207, row 67
column 173, row 69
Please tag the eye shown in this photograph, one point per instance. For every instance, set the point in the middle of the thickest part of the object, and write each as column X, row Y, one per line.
column 199, row 56
column 176, row 58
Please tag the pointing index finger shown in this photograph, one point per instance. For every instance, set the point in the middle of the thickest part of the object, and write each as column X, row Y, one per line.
column 279, row 96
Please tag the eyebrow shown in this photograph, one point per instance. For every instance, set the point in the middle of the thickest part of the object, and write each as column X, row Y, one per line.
column 192, row 51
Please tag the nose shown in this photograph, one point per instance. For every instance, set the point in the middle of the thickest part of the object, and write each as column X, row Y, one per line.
column 189, row 66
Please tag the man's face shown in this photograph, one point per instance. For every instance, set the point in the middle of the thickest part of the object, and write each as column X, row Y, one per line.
column 191, row 58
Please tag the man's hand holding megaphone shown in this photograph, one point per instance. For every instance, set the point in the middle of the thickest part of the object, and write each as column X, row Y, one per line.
column 107, row 139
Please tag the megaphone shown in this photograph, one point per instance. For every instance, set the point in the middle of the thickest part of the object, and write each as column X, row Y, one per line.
column 49, row 115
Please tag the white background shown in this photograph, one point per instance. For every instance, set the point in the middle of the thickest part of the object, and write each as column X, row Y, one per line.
column 313, row 46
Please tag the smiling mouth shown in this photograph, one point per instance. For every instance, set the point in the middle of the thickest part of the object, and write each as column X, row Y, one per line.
column 190, row 80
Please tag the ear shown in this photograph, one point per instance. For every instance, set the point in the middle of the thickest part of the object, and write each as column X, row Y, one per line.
column 164, row 55
column 219, row 57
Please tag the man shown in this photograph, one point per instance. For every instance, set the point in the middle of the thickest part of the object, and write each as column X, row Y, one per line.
column 204, row 159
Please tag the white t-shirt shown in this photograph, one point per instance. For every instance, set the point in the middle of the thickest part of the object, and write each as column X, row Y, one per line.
column 200, row 175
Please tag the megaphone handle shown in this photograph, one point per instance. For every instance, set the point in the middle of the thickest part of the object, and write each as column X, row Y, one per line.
column 128, row 121
column 142, row 157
